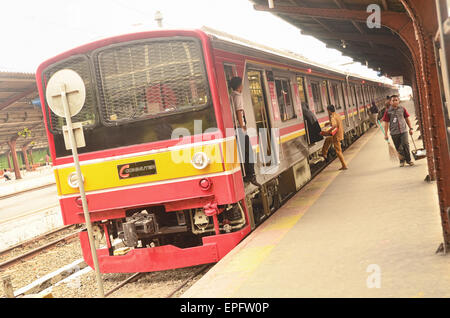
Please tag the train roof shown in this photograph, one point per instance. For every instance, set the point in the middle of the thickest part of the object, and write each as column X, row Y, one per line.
column 235, row 40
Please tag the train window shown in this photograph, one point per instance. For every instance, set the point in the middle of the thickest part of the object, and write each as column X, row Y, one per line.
column 257, row 95
column 149, row 79
column 134, row 81
column 301, row 90
column 88, row 114
column 284, row 99
column 337, row 96
column 229, row 74
column 318, row 106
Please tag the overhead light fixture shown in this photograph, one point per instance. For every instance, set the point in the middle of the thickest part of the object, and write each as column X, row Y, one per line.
column 343, row 44
column 271, row 6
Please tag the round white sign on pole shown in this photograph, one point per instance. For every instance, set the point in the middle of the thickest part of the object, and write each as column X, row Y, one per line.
column 75, row 91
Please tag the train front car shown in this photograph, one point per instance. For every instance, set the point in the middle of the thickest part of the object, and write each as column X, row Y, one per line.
column 158, row 184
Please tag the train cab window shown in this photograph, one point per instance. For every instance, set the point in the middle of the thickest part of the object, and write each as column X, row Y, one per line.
column 88, row 115
column 144, row 80
column 284, row 97
column 318, row 105
column 143, row 91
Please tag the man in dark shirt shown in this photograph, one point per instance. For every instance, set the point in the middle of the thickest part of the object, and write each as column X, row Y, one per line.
column 396, row 119
column 312, row 125
column 373, row 114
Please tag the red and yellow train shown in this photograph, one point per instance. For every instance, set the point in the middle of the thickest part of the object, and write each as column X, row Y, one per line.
column 160, row 168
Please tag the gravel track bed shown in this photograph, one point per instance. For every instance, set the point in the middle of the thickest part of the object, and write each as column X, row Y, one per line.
column 20, row 250
column 148, row 285
column 29, row 270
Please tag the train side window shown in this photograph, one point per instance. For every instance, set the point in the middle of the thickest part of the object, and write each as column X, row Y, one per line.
column 230, row 72
column 284, row 96
column 318, row 106
column 326, row 92
column 301, row 91
column 337, row 96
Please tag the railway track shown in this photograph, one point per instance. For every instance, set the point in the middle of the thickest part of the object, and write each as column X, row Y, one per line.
column 30, row 252
column 173, row 292
column 206, row 267
column 6, row 196
column 137, row 279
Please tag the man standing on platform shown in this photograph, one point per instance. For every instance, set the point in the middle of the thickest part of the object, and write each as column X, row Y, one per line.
column 396, row 118
column 243, row 138
column 335, row 135
column 373, row 114
column 7, row 175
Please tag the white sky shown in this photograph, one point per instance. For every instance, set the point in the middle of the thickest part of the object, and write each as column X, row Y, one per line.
column 34, row 30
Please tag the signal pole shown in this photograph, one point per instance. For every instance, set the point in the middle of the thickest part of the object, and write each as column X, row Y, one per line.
column 159, row 18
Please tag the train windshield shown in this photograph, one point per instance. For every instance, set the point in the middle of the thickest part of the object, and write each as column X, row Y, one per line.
column 138, row 92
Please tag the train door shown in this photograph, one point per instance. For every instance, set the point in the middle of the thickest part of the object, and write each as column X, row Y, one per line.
column 317, row 97
column 363, row 99
column 367, row 100
column 304, row 103
column 263, row 127
column 355, row 102
column 332, row 97
column 343, row 90
column 230, row 72
column 351, row 99
column 360, row 99
column 325, row 94
column 336, row 97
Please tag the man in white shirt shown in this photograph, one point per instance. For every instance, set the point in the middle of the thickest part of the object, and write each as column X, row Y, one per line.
column 7, row 175
column 244, row 144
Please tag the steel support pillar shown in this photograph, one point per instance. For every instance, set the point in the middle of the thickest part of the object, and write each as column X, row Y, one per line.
column 12, row 148
column 25, row 158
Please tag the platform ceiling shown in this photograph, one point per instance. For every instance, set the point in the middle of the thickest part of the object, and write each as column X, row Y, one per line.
column 327, row 20
column 17, row 112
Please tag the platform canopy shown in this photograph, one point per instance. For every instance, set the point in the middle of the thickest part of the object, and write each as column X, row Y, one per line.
column 20, row 119
column 342, row 25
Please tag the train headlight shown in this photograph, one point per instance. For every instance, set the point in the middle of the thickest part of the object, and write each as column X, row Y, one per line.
column 72, row 180
column 200, row 160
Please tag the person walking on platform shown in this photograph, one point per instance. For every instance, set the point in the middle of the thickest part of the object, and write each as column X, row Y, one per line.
column 387, row 104
column 334, row 135
column 243, row 138
column 396, row 119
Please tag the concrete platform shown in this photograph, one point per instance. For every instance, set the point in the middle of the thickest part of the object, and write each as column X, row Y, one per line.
column 370, row 231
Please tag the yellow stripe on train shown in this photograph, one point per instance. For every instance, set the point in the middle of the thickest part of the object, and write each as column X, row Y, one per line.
column 170, row 164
